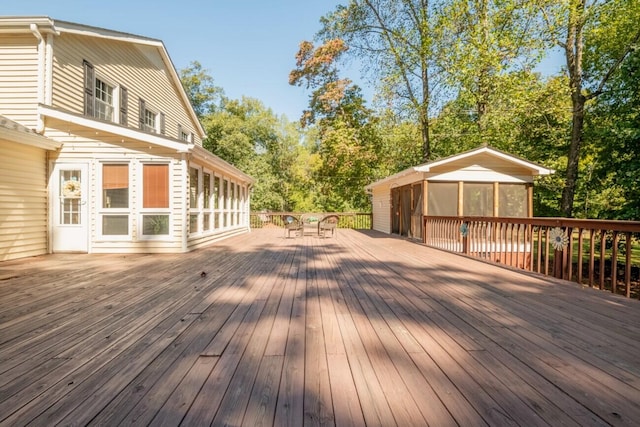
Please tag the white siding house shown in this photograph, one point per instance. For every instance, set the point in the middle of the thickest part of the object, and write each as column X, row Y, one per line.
column 125, row 170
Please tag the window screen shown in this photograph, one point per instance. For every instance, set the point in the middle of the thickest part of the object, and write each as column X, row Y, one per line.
column 443, row 198
column 478, row 199
column 513, row 200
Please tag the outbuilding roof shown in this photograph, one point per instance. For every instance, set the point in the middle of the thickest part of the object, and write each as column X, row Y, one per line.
column 429, row 167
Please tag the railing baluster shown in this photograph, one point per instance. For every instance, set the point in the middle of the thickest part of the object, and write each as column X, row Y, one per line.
column 627, row 267
column 570, row 253
column 592, row 255
column 614, row 263
column 579, row 263
column 602, row 257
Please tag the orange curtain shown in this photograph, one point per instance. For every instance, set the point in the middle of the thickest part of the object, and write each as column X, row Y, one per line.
column 115, row 176
column 155, row 186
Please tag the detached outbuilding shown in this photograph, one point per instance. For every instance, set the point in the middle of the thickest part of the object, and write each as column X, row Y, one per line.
column 480, row 182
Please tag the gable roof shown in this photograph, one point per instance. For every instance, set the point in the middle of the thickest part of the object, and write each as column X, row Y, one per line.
column 46, row 25
column 535, row 169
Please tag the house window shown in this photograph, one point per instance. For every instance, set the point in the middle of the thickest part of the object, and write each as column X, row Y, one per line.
column 155, row 199
column 206, row 189
column 193, row 200
column 225, row 203
column 183, row 135
column 101, row 98
column 150, row 120
column 216, row 202
column 103, row 101
column 115, row 200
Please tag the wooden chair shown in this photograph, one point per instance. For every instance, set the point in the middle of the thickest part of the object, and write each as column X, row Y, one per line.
column 291, row 223
column 328, row 223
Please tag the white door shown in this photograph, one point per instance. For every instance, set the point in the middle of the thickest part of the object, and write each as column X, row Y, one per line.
column 70, row 207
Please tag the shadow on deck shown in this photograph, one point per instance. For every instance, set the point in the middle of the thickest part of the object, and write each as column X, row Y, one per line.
column 358, row 329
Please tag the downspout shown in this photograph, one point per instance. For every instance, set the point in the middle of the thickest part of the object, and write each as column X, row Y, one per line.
column 41, row 73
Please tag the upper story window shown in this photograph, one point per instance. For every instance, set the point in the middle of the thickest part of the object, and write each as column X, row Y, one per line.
column 102, row 99
column 150, row 120
column 183, row 135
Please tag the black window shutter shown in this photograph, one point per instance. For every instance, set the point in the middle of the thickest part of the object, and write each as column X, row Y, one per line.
column 162, row 129
column 141, row 113
column 124, row 102
column 180, row 131
column 89, row 88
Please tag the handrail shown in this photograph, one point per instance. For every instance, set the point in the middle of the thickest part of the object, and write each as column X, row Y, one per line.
column 353, row 220
column 580, row 250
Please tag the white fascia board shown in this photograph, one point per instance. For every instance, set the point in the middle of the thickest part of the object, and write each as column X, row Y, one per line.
column 31, row 139
column 208, row 158
column 398, row 176
column 537, row 169
column 122, row 131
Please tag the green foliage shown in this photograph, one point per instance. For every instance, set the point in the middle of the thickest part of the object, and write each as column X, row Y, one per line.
column 201, row 90
column 469, row 63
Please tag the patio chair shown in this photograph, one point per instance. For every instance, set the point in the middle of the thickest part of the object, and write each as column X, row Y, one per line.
column 328, row 223
column 291, row 223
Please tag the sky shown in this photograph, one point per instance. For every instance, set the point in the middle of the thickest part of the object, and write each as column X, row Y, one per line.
column 248, row 47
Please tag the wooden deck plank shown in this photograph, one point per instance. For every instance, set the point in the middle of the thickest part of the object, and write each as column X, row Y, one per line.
column 359, row 329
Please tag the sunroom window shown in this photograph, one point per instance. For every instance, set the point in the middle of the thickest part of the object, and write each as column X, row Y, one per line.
column 155, row 199
column 115, row 200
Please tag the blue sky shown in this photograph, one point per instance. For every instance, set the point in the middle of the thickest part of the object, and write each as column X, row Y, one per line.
column 248, row 47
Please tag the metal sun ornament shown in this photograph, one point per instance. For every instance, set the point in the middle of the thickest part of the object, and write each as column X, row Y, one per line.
column 559, row 238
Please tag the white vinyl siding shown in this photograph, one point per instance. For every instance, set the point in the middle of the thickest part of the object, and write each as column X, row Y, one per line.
column 23, row 201
column 19, row 79
column 132, row 66
column 381, row 200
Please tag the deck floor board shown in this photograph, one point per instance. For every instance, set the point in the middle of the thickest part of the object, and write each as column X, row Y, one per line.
column 355, row 329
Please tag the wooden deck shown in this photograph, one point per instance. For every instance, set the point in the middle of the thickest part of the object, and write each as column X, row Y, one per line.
column 360, row 329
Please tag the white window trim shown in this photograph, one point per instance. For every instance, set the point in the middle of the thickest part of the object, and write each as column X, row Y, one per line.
column 210, row 210
column 115, row 99
column 113, row 211
column 199, row 200
column 142, row 211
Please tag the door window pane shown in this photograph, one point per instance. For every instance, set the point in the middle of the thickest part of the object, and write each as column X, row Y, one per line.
column 70, row 197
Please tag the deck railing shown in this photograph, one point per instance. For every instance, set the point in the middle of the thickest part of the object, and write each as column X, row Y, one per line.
column 353, row 220
column 595, row 253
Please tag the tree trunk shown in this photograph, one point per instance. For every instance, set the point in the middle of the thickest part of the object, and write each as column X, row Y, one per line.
column 424, row 116
column 571, row 176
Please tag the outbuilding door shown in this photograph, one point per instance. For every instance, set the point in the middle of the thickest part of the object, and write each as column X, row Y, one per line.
column 70, row 231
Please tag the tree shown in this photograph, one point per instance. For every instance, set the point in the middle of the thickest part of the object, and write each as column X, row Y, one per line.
column 393, row 39
column 598, row 37
column 347, row 144
column 201, row 90
column 481, row 43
